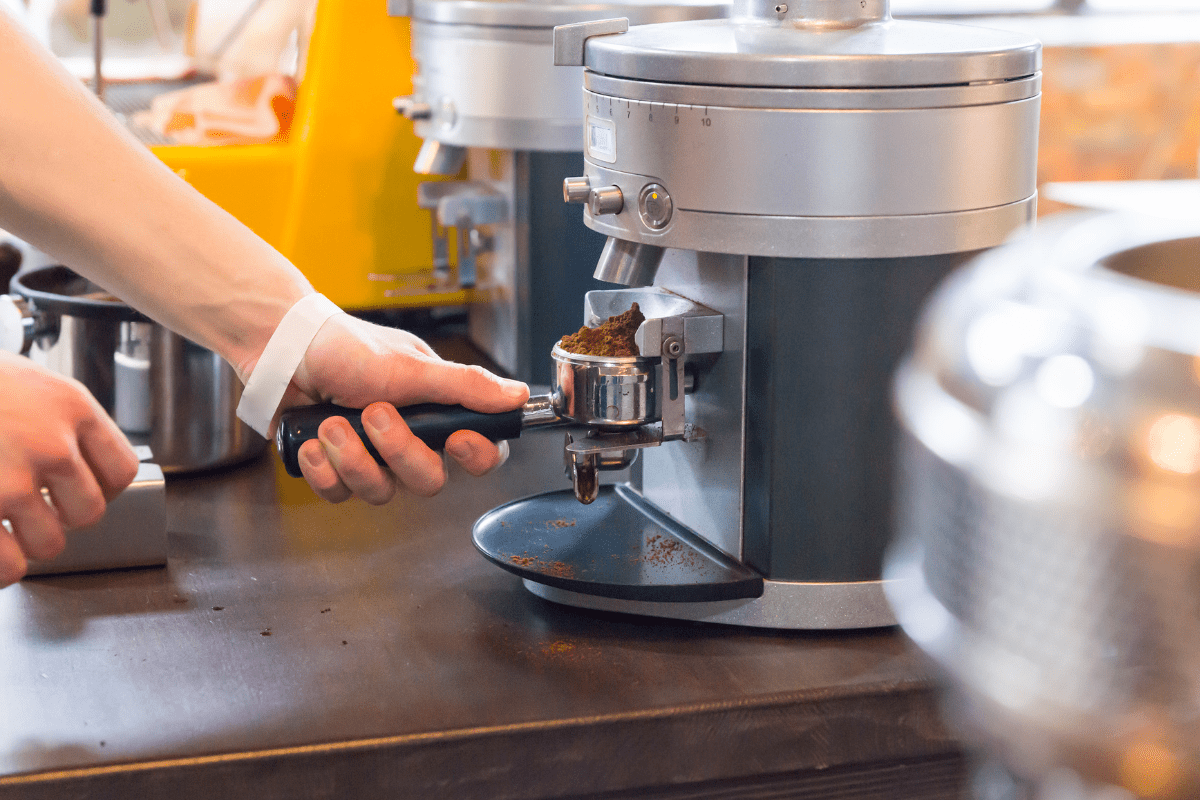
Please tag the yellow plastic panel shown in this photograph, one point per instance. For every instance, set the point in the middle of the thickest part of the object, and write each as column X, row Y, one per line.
column 252, row 182
column 339, row 197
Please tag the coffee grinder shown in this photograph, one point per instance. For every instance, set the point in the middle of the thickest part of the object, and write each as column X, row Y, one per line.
column 780, row 190
column 784, row 187
column 490, row 106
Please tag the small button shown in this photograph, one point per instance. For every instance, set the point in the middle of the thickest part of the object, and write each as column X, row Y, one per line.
column 655, row 206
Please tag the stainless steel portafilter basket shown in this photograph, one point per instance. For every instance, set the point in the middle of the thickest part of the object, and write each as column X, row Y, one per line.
column 605, row 392
column 1049, row 550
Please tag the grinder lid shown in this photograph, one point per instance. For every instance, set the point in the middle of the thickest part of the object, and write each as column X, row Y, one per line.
column 778, row 50
column 533, row 14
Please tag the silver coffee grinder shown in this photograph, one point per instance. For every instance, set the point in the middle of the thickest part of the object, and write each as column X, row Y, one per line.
column 781, row 189
column 488, row 97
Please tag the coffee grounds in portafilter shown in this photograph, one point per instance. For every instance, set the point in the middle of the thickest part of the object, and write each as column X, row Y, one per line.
column 613, row 337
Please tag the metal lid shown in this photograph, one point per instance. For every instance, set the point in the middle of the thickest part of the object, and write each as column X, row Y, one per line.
column 782, row 46
column 532, row 14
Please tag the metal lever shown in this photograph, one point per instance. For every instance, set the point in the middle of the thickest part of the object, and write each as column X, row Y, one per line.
column 464, row 206
column 671, row 396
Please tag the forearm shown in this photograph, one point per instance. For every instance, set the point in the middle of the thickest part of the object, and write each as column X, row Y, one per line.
column 76, row 184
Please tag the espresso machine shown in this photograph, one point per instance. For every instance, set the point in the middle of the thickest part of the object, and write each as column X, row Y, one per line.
column 491, row 107
column 780, row 190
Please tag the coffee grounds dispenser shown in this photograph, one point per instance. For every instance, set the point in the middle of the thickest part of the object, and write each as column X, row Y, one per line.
column 803, row 173
column 487, row 96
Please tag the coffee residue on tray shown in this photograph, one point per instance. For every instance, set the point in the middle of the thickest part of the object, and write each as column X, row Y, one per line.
column 558, row 569
column 613, row 337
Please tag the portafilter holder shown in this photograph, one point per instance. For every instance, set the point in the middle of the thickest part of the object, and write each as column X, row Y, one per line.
column 601, row 394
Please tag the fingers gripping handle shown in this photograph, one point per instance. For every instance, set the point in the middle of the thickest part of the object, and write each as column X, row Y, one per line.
column 429, row 422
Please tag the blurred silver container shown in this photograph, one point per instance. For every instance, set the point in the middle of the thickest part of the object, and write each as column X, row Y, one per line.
column 162, row 389
column 1049, row 550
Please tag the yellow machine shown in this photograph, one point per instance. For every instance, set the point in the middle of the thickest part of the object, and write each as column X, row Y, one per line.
column 339, row 196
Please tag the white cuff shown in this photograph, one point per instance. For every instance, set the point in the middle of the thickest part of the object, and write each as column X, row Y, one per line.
column 280, row 358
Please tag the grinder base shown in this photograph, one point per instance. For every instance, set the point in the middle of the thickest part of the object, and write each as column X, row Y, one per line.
column 623, row 554
column 618, row 547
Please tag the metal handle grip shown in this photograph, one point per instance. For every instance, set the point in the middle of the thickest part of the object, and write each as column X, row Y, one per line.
column 429, row 422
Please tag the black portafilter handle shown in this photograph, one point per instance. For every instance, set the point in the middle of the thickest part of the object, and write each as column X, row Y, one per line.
column 430, row 422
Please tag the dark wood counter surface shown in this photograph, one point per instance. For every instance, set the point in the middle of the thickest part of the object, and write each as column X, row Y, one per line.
column 294, row 648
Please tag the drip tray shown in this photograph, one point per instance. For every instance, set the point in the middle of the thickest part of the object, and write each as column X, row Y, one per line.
column 618, row 546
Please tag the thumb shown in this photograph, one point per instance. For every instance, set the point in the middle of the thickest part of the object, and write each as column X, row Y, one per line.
column 468, row 385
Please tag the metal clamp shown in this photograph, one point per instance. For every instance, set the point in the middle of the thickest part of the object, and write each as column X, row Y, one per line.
column 671, row 388
column 464, row 206
column 675, row 328
column 570, row 40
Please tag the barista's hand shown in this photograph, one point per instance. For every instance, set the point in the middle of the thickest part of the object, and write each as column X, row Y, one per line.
column 53, row 434
column 354, row 363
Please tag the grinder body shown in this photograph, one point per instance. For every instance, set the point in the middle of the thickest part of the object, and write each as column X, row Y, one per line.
column 810, row 172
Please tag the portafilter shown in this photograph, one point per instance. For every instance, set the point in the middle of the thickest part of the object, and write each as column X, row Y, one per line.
column 603, row 394
column 1049, row 520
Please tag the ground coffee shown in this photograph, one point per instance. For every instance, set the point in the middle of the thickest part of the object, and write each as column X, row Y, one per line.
column 613, row 337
